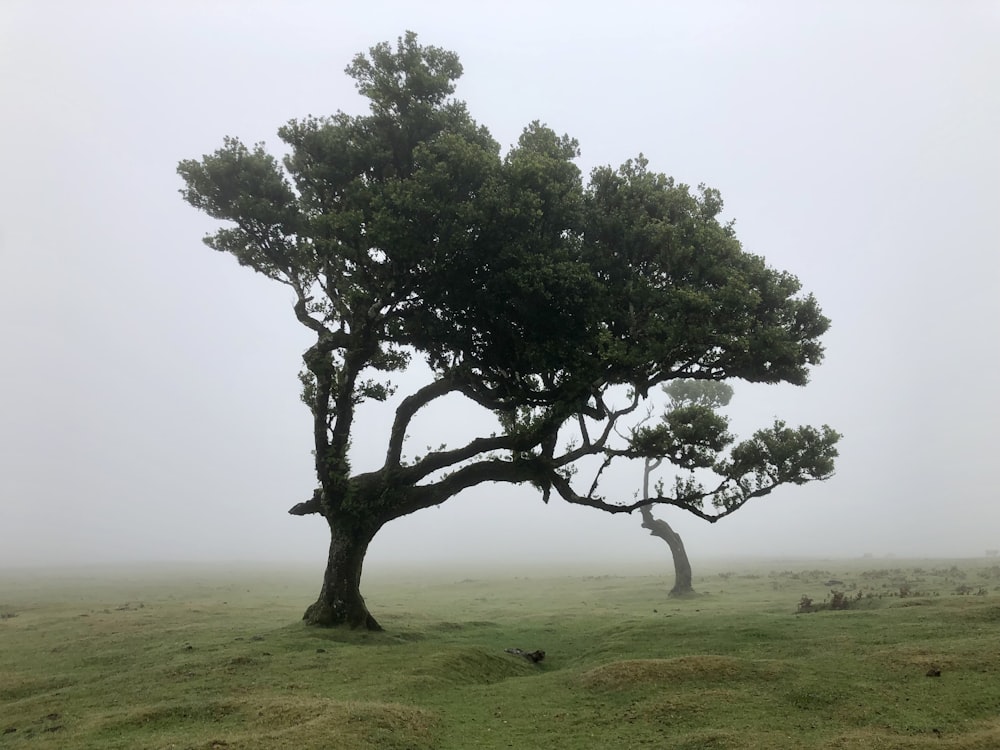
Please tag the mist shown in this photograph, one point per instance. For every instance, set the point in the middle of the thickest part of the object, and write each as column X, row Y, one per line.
column 150, row 405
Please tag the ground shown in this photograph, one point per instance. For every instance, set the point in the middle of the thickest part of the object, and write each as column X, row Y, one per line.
column 219, row 659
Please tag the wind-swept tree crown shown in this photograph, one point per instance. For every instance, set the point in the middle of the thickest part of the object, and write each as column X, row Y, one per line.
column 532, row 291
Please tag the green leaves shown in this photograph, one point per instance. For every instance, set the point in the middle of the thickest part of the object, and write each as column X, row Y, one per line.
column 684, row 298
column 690, row 433
column 411, row 75
column 238, row 183
column 531, row 291
column 784, row 455
column 708, row 393
column 692, row 436
column 246, row 187
column 514, row 306
column 407, row 223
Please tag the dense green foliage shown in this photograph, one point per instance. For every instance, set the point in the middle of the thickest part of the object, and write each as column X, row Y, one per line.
column 554, row 303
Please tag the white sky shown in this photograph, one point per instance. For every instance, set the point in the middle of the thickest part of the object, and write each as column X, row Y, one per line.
column 148, row 394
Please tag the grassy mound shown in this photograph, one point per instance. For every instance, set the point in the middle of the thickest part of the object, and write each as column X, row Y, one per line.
column 470, row 666
column 644, row 672
column 276, row 722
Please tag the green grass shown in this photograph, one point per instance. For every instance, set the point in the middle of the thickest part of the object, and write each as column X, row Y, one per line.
column 219, row 659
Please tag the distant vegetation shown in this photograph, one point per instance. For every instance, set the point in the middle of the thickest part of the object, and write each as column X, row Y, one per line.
column 226, row 664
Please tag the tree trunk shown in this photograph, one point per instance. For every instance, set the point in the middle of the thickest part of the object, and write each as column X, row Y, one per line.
column 340, row 601
column 682, row 566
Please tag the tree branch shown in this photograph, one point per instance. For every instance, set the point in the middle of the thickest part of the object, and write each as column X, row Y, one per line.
column 541, row 434
column 312, row 505
column 443, row 459
column 405, row 412
column 593, row 447
column 491, row 470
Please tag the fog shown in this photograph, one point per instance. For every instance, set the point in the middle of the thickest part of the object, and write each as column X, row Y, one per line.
column 149, row 408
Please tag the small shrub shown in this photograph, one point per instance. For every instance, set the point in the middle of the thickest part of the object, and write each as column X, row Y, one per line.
column 839, row 600
column 805, row 604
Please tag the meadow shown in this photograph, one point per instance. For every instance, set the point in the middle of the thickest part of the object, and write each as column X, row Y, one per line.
column 830, row 654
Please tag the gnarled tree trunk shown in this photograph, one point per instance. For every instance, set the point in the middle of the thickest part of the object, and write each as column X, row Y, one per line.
column 682, row 566
column 340, row 601
column 661, row 529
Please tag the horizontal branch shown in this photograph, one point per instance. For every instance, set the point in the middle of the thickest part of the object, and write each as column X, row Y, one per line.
column 312, row 505
column 443, row 459
column 471, row 475
column 691, row 502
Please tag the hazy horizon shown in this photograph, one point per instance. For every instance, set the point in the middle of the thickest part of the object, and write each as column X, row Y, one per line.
column 150, row 406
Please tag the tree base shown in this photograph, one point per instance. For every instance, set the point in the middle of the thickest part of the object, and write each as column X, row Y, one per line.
column 321, row 614
column 676, row 593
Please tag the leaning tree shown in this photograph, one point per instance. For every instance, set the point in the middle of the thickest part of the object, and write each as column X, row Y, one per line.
column 690, row 420
column 691, row 436
column 552, row 304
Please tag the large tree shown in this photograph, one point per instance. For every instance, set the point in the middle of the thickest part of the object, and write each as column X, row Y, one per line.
column 552, row 304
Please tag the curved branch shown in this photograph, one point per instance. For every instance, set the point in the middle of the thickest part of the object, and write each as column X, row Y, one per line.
column 732, row 498
column 491, row 470
column 443, row 459
column 303, row 316
column 541, row 434
column 405, row 412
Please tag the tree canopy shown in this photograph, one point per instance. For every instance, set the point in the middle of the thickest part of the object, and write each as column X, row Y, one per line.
column 553, row 302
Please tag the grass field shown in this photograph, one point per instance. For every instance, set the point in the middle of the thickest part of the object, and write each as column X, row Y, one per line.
column 218, row 658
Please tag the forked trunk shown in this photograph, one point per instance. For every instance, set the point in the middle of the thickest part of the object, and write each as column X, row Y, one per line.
column 340, row 601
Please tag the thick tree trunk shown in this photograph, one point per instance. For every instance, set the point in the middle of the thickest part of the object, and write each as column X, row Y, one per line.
column 682, row 566
column 340, row 601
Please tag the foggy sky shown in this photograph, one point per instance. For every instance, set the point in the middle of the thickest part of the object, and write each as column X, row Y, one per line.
column 149, row 404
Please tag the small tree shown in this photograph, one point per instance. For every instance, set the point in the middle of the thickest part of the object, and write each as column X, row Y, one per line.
column 553, row 305
column 691, row 418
